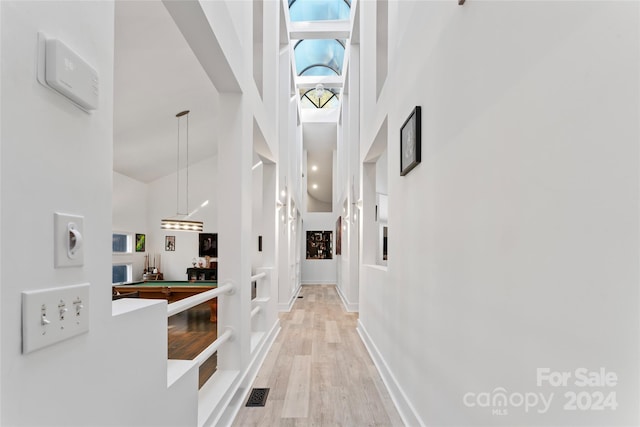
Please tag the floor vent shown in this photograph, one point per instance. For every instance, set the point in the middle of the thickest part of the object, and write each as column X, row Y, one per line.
column 258, row 397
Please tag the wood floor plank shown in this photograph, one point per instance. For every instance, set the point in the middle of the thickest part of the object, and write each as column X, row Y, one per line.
column 296, row 401
column 298, row 317
column 331, row 331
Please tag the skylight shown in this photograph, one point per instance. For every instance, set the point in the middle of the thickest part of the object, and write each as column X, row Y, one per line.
column 318, row 57
column 328, row 99
column 319, row 10
column 318, row 32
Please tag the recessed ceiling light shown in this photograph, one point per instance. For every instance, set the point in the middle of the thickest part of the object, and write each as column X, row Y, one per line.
column 315, row 186
column 314, row 168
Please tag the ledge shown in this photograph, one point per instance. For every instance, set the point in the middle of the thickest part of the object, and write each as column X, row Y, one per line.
column 176, row 369
column 375, row 267
column 128, row 305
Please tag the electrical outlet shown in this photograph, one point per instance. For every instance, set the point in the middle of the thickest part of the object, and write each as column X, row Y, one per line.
column 53, row 315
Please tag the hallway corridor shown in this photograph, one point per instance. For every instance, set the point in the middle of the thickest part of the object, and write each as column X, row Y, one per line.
column 318, row 371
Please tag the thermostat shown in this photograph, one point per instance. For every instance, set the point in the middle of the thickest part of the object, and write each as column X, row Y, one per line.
column 64, row 71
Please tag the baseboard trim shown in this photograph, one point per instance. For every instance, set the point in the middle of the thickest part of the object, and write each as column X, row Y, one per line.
column 405, row 408
column 319, row 282
column 243, row 388
column 286, row 307
column 348, row 306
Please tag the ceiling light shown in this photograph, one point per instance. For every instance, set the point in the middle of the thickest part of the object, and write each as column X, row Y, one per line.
column 182, row 224
column 315, row 186
column 314, row 168
column 319, row 91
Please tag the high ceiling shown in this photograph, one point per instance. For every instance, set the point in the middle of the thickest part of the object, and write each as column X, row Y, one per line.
column 318, row 32
column 157, row 75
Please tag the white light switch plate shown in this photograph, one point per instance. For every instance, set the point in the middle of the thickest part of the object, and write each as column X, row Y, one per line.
column 53, row 315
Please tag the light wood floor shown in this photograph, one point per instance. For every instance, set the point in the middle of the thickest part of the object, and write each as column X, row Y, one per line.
column 319, row 372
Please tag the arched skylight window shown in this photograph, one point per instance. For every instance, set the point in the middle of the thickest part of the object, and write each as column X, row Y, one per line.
column 319, row 57
column 319, row 10
column 328, row 99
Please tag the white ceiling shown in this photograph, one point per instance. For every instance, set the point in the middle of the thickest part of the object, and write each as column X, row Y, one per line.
column 156, row 76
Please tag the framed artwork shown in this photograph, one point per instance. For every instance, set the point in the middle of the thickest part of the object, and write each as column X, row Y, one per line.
column 140, row 242
column 410, row 135
column 339, row 236
column 170, row 243
column 208, row 245
column 385, row 231
column 319, row 245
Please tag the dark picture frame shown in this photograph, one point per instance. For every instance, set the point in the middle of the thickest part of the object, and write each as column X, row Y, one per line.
column 170, row 243
column 339, row 236
column 140, row 242
column 319, row 245
column 208, row 245
column 410, row 141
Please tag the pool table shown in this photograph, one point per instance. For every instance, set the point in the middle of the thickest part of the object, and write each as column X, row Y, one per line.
column 171, row 290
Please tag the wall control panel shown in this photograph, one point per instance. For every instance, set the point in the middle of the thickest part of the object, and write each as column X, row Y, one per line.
column 64, row 71
column 53, row 315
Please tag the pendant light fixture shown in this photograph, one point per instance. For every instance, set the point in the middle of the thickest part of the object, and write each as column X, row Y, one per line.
column 181, row 221
column 319, row 92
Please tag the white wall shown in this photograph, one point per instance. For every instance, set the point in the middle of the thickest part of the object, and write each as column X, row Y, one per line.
column 318, row 271
column 57, row 158
column 130, row 198
column 203, row 187
column 315, row 205
column 515, row 242
column 139, row 207
column 257, row 219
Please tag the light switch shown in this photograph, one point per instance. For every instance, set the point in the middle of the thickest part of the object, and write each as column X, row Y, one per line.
column 53, row 315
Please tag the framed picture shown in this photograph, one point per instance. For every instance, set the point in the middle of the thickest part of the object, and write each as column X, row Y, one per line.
column 208, row 245
column 410, row 134
column 339, row 236
column 385, row 232
column 140, row 242
column 170, row 243
column 319, row 245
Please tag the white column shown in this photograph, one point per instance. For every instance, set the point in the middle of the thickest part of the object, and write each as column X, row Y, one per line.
column 235, row 147
column 354, row 166
column 270, row 229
